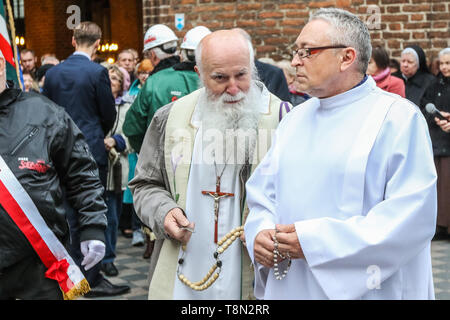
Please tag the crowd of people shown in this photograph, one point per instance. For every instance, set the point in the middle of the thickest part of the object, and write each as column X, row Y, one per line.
column 357, row 173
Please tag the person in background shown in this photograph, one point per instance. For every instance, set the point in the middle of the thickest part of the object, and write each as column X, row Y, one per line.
column 83, row 88
column 160, row 47
column 28, row 61
column 49, row 58
column 40, row 75
column 29, row 83
column 435, row 66
column 160, row 89
column 415, row 73
column 297, row 97
column 438, row 93
column 127, row 60
column 136, row 55
column 129, row 223
column 379, row 70
column 117, row 147
column 394, row 66
column 142, row 72
column 273, row 78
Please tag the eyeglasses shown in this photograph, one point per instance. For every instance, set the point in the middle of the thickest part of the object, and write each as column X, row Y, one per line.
column 115, row 78
column 306, row 52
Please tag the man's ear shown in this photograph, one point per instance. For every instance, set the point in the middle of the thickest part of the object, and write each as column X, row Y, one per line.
column 74, row 43
column 348, row 57
column 97, row 43
column 2, row 67
column 197, row 70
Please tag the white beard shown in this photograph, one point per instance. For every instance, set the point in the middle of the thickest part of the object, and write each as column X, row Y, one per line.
column 229, row 131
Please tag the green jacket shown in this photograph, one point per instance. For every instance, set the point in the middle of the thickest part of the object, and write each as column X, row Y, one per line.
column 160, row 89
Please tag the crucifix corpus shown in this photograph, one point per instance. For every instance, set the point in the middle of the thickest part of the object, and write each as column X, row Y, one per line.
column 217, row 195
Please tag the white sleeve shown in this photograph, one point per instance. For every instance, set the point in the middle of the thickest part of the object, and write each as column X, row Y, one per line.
column 261, row 202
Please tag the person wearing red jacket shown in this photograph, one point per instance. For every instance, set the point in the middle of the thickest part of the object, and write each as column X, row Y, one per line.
column 379, row 70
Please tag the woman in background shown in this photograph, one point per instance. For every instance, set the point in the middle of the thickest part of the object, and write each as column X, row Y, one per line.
column 381, row 72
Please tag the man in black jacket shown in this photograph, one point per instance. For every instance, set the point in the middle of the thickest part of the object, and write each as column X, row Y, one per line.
column 43, row 152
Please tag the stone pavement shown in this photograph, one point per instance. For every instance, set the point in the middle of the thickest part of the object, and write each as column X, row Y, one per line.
column 133, row 270
column 440, row 255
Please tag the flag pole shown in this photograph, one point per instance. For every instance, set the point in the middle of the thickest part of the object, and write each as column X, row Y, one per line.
column 13, row 40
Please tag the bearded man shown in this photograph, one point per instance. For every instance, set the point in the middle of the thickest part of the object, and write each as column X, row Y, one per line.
column 189, row 184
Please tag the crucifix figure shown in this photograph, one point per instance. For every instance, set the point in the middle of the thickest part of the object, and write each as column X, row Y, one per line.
column 217, row 195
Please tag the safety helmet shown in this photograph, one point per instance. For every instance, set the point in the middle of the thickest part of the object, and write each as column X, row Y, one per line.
column 193, row 37
column 158, row 35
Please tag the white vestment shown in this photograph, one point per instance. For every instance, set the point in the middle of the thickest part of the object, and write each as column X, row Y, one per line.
column 198, row 258
column 374, row 244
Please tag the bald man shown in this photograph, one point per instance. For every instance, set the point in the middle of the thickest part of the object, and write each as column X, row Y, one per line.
column 195, row 159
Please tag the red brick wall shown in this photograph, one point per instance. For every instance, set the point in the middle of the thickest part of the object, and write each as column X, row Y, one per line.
column 274, row 25
column 46, row 25
column 126, row 24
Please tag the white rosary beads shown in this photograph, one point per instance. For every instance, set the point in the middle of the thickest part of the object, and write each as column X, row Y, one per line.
column 276, row 253
column 211, row 277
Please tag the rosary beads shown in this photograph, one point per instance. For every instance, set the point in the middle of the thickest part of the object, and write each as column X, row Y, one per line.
column 212, row 274
column 276, row 253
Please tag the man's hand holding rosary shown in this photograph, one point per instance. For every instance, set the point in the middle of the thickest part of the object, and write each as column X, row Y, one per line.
column 274, row 246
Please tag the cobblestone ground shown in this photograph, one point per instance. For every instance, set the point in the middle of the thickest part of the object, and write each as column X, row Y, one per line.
column 133, row 270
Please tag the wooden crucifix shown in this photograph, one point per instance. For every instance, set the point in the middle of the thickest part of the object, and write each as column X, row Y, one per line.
column 217, row 195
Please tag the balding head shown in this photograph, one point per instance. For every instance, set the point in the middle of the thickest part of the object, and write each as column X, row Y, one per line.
column 223, row 43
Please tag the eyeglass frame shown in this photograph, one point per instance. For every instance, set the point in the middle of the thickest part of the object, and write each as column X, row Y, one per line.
column 309, row 50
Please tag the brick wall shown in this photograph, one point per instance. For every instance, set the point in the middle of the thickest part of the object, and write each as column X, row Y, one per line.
column 274, row 25
column 46, row 30
column 126, row 24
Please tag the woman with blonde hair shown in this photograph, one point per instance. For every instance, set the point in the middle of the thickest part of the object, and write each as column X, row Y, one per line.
column 117, row 146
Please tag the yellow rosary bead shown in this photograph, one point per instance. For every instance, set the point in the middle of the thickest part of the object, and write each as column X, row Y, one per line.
column 211, row 277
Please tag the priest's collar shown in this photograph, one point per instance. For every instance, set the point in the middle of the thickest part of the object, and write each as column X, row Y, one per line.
column 264, row 106
column 357, row 92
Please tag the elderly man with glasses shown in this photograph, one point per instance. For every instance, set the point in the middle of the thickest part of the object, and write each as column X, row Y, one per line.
column 343, row 206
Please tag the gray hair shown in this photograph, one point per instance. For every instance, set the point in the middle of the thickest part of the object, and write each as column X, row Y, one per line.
column 348, row 30
column 413, row 52
column 160, row 54
column 246, row 36
column 444, row 52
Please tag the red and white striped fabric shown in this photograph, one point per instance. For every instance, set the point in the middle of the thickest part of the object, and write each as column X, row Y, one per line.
column 5, row 42
column 22, row 210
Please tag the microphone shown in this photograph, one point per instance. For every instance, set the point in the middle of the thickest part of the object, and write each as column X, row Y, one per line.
column 432, row 110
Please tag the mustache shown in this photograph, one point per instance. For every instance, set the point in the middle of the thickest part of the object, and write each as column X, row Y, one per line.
column 228, row 98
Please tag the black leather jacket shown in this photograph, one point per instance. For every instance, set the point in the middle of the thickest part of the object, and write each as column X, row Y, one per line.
column 48, row 154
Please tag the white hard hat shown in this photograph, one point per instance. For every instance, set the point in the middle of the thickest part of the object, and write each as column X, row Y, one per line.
column 193, row 37
column 158, row 35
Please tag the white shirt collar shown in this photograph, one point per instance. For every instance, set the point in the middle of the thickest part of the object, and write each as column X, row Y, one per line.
column 82, row 54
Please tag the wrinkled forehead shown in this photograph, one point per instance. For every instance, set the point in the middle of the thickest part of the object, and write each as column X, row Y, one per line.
column 27, row 56
column 444, row 58
column 314, row 33
column 408, row 56
column 126, row 56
